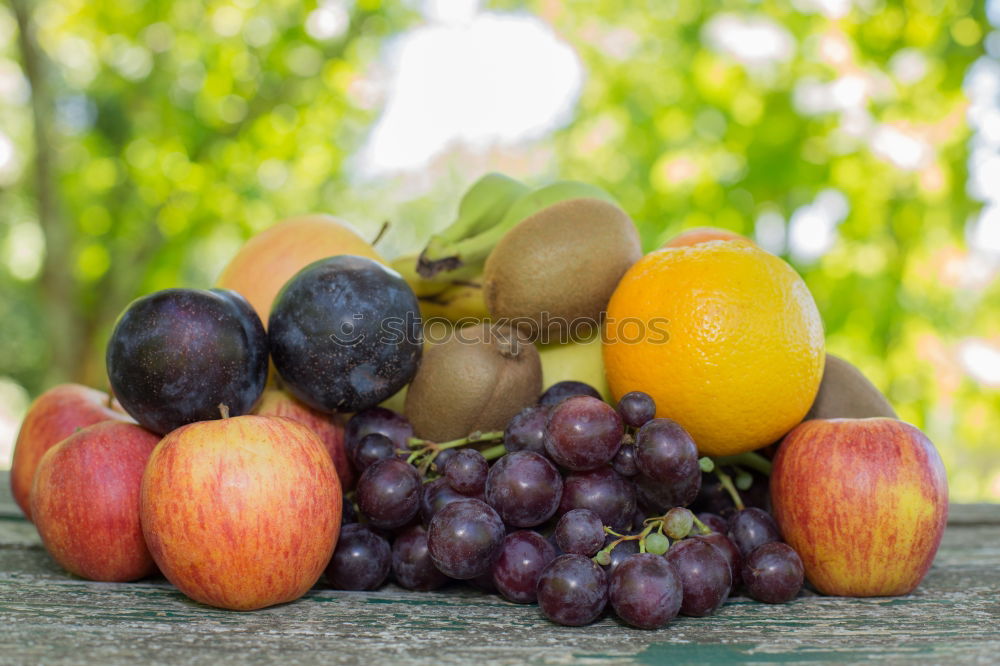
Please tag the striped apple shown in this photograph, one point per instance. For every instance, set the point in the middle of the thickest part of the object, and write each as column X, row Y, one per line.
column 863, row 501
column 243, row 512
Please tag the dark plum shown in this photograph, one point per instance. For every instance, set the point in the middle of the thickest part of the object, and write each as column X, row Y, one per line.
column 176, row 355
column 704, row 574
column 526, row 431
column 523, row 557
column 645, row 591
column 773, row 573
column 411, row 561
column 566, row 389
column 361, row 560
column 345, row 333
column 525, row 488
column 388, row 493
column 751, row 528
column 464, row 538
column 605, row 492
column 377, row 420
column 583, row 433
column 572, row 590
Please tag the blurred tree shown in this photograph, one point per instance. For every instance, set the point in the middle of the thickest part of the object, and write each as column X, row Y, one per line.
column 147, row 140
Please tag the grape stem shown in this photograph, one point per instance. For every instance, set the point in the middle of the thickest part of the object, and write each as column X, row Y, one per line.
column 423, row 451
column 705, row 529
column 750, row 459
column 727, row 483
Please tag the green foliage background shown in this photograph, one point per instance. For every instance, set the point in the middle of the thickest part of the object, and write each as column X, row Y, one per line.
column 167, row 143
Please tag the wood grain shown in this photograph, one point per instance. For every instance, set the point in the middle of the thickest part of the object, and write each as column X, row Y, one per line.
column 50, row 617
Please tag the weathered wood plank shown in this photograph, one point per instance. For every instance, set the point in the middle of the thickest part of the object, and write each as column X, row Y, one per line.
column 51, row 617
column 8, row 508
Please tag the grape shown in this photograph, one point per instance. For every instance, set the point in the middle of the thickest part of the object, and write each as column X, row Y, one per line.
column 566, row 389
column 464, row 538
column 714, row 522
column 389, row 493
column 677, row 523
column 603, row 491
column 583, row 433
column 638, row 516
column 636, row 408
column 484, row 582
column 729, row 551
column 524, row 488
column 380, row 420
column 373, row 447
column 621, row 552
column 435, row 496
column 668, row 464
column 704, row 574
column 411, row 561
column 714, row 498
column 347, row 512
column 656, row 543
column 751, row 528
column 580, row 531
column 442, row 458
column 522, row 558
column 572, row 590
column 361, row 560
column 526, row 431
column 773, row 573
column 645, row 591
column 466, row 472
column 624, row 461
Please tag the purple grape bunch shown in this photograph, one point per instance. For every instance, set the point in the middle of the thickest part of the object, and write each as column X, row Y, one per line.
column 579, row 506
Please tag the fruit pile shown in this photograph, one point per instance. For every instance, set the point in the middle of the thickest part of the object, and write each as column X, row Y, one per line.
column 583, row 505
column 302, row 420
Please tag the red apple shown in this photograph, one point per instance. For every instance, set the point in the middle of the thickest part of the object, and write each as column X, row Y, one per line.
column 863, row 501
column 241, row 513
column 85, row 500
column 328, row 427
column 52, row 417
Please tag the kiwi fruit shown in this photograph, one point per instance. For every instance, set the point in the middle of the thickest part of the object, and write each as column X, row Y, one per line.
column 558, row 266
column 476, row 379
column 846, row 393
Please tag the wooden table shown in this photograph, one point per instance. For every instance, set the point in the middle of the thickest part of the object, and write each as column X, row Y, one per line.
column 47, row 616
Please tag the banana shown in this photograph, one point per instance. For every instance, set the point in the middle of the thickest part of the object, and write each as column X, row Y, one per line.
column 440, row 255
column 481, row 207
column 450, row 296
column 581, row 361
column 457, row 303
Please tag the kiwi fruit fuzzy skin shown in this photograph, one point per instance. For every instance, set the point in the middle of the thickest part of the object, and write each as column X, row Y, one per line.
column 475, row 380
column 565, row 260
column 846, row 393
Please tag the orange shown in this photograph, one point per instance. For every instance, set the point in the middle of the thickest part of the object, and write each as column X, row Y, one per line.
column 702, row 235
column 724, row 336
